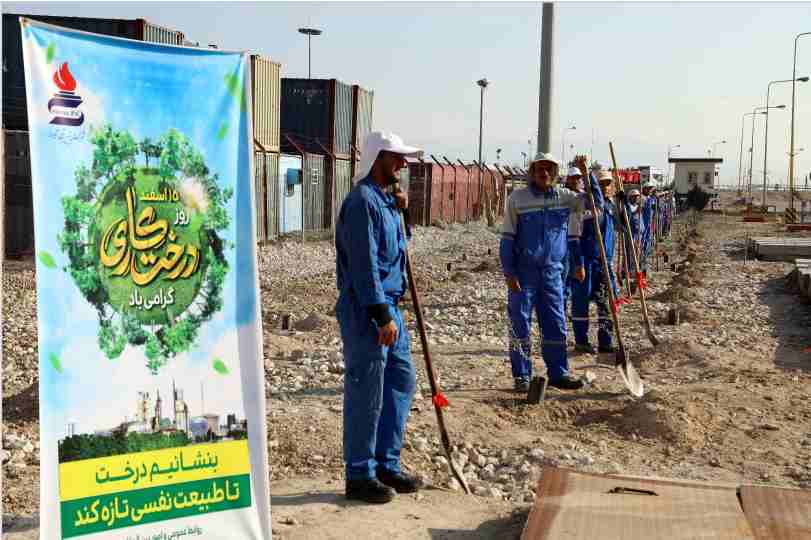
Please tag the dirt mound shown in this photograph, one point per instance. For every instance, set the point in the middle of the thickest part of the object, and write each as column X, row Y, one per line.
column 673, row 353
column 276, row 345
column 315, row 321
column 487, row 266
column 672, row 418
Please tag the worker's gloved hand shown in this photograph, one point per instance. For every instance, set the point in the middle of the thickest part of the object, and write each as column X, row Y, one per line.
column 580, row 274
column 387, row 335
column 512, row 284
column 621, row 196
column 402, row 198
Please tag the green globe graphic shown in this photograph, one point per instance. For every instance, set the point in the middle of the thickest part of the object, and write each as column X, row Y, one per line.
column 142, row 237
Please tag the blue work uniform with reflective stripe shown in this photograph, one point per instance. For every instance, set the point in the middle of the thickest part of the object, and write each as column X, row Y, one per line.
column 592, row 288
column 637, row 232
column 379, row 381
column 537, row 227
column 648, row 209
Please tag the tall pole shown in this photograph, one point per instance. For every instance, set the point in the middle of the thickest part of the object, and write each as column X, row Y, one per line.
column 481, row 122
column 752, row 151
column 766, row 135
column 483, row 84
column 545, row 83
column 791, row 149
column 740, row 156
column 309, row 32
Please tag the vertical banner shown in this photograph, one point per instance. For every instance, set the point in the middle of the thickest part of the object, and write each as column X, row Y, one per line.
column 151, row 389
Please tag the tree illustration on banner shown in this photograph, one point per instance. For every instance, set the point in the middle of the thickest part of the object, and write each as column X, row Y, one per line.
column 142, row 239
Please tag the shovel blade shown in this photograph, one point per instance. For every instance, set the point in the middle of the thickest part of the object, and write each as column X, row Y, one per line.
column 629, row 375
column 537, row 389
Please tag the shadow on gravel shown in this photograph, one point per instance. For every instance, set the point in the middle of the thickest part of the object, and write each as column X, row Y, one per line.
column 19, row 524
column 790, row 314
column 507, row 528
column 305, row 498
column 23, row 407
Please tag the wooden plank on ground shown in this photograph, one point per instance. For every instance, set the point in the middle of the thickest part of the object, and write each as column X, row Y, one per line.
column 570, row 505
column 777, row 513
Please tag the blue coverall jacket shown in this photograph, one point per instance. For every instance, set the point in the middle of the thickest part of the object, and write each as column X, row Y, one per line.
column 379, row 381
column 592, row 288
column 537, row 226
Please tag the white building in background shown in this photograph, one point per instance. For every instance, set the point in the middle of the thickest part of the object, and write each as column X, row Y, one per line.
column 650, row 175
column 691, row 172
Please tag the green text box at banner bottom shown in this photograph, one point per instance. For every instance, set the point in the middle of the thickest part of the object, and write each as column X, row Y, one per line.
column 176, row 498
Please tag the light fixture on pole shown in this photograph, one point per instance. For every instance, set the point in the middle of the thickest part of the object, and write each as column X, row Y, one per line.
column 482, row 84
column 766, row 133
column 752, row 145
column 791, row 145
column 309, row 32
column 525, row 158
column 563, row 145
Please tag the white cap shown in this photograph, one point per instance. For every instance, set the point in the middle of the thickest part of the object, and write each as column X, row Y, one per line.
column 633, row 192
column 541, row 156
column 574, row 171
column 378, row 141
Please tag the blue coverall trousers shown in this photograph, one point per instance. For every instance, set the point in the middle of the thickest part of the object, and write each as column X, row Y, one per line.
column 591, row 289
column 544, row 295
column 379, row 385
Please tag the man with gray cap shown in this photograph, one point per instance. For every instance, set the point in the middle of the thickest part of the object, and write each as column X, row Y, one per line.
column 539, row 221
column 380, row 379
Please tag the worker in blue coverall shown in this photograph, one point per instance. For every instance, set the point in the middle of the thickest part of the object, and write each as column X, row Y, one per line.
column 648, row 226
column 380, row 379
column 593, row 287
column 633, row 210
column 574, row 182
column 539, row 221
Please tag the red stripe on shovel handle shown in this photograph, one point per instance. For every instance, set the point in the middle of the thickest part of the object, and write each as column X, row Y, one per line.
column 440, row 400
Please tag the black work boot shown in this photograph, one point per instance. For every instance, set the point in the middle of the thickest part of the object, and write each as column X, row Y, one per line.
column 401, row 482
column 567, row 382
column 370, row 491
column 587, row 348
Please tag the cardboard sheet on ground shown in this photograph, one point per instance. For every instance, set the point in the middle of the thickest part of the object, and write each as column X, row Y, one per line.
column 578, row 506
column 152, row 409
column 777, row 513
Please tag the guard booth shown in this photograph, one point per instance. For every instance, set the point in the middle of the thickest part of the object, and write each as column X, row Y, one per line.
column 689, row 173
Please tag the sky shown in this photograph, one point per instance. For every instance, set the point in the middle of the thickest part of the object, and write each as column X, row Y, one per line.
column 643, row 75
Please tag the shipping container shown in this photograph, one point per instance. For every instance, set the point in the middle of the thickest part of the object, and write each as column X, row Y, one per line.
column 266, row 92
column 474, row 193
column 290, row 193
column 272, row 198
column 315, row 198
column 362, row 119
column 259, row 176
column 317, row 111
column 14, row 104
column 448, row 209
column 418, row 193
column 18, row 214
column 462, row 211
column 339, row 176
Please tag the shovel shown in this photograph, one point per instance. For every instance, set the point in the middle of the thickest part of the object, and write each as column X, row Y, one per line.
column 437, row 398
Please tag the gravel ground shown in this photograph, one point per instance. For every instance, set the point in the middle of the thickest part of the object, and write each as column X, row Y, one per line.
column 727, row 389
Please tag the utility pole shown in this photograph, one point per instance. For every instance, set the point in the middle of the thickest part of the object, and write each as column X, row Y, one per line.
column 545, row 83
column 483, row 84
column 309, row 32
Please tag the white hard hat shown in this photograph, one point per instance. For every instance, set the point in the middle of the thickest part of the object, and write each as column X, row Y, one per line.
column 574, row 171
column 378, row 141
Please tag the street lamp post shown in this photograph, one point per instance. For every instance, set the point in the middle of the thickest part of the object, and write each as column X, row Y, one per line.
column 766, row 134
column 483, row 84
column 563, row 145
column 752, row 146
column 740, row 156
column 309, row 32
column 791, row 149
